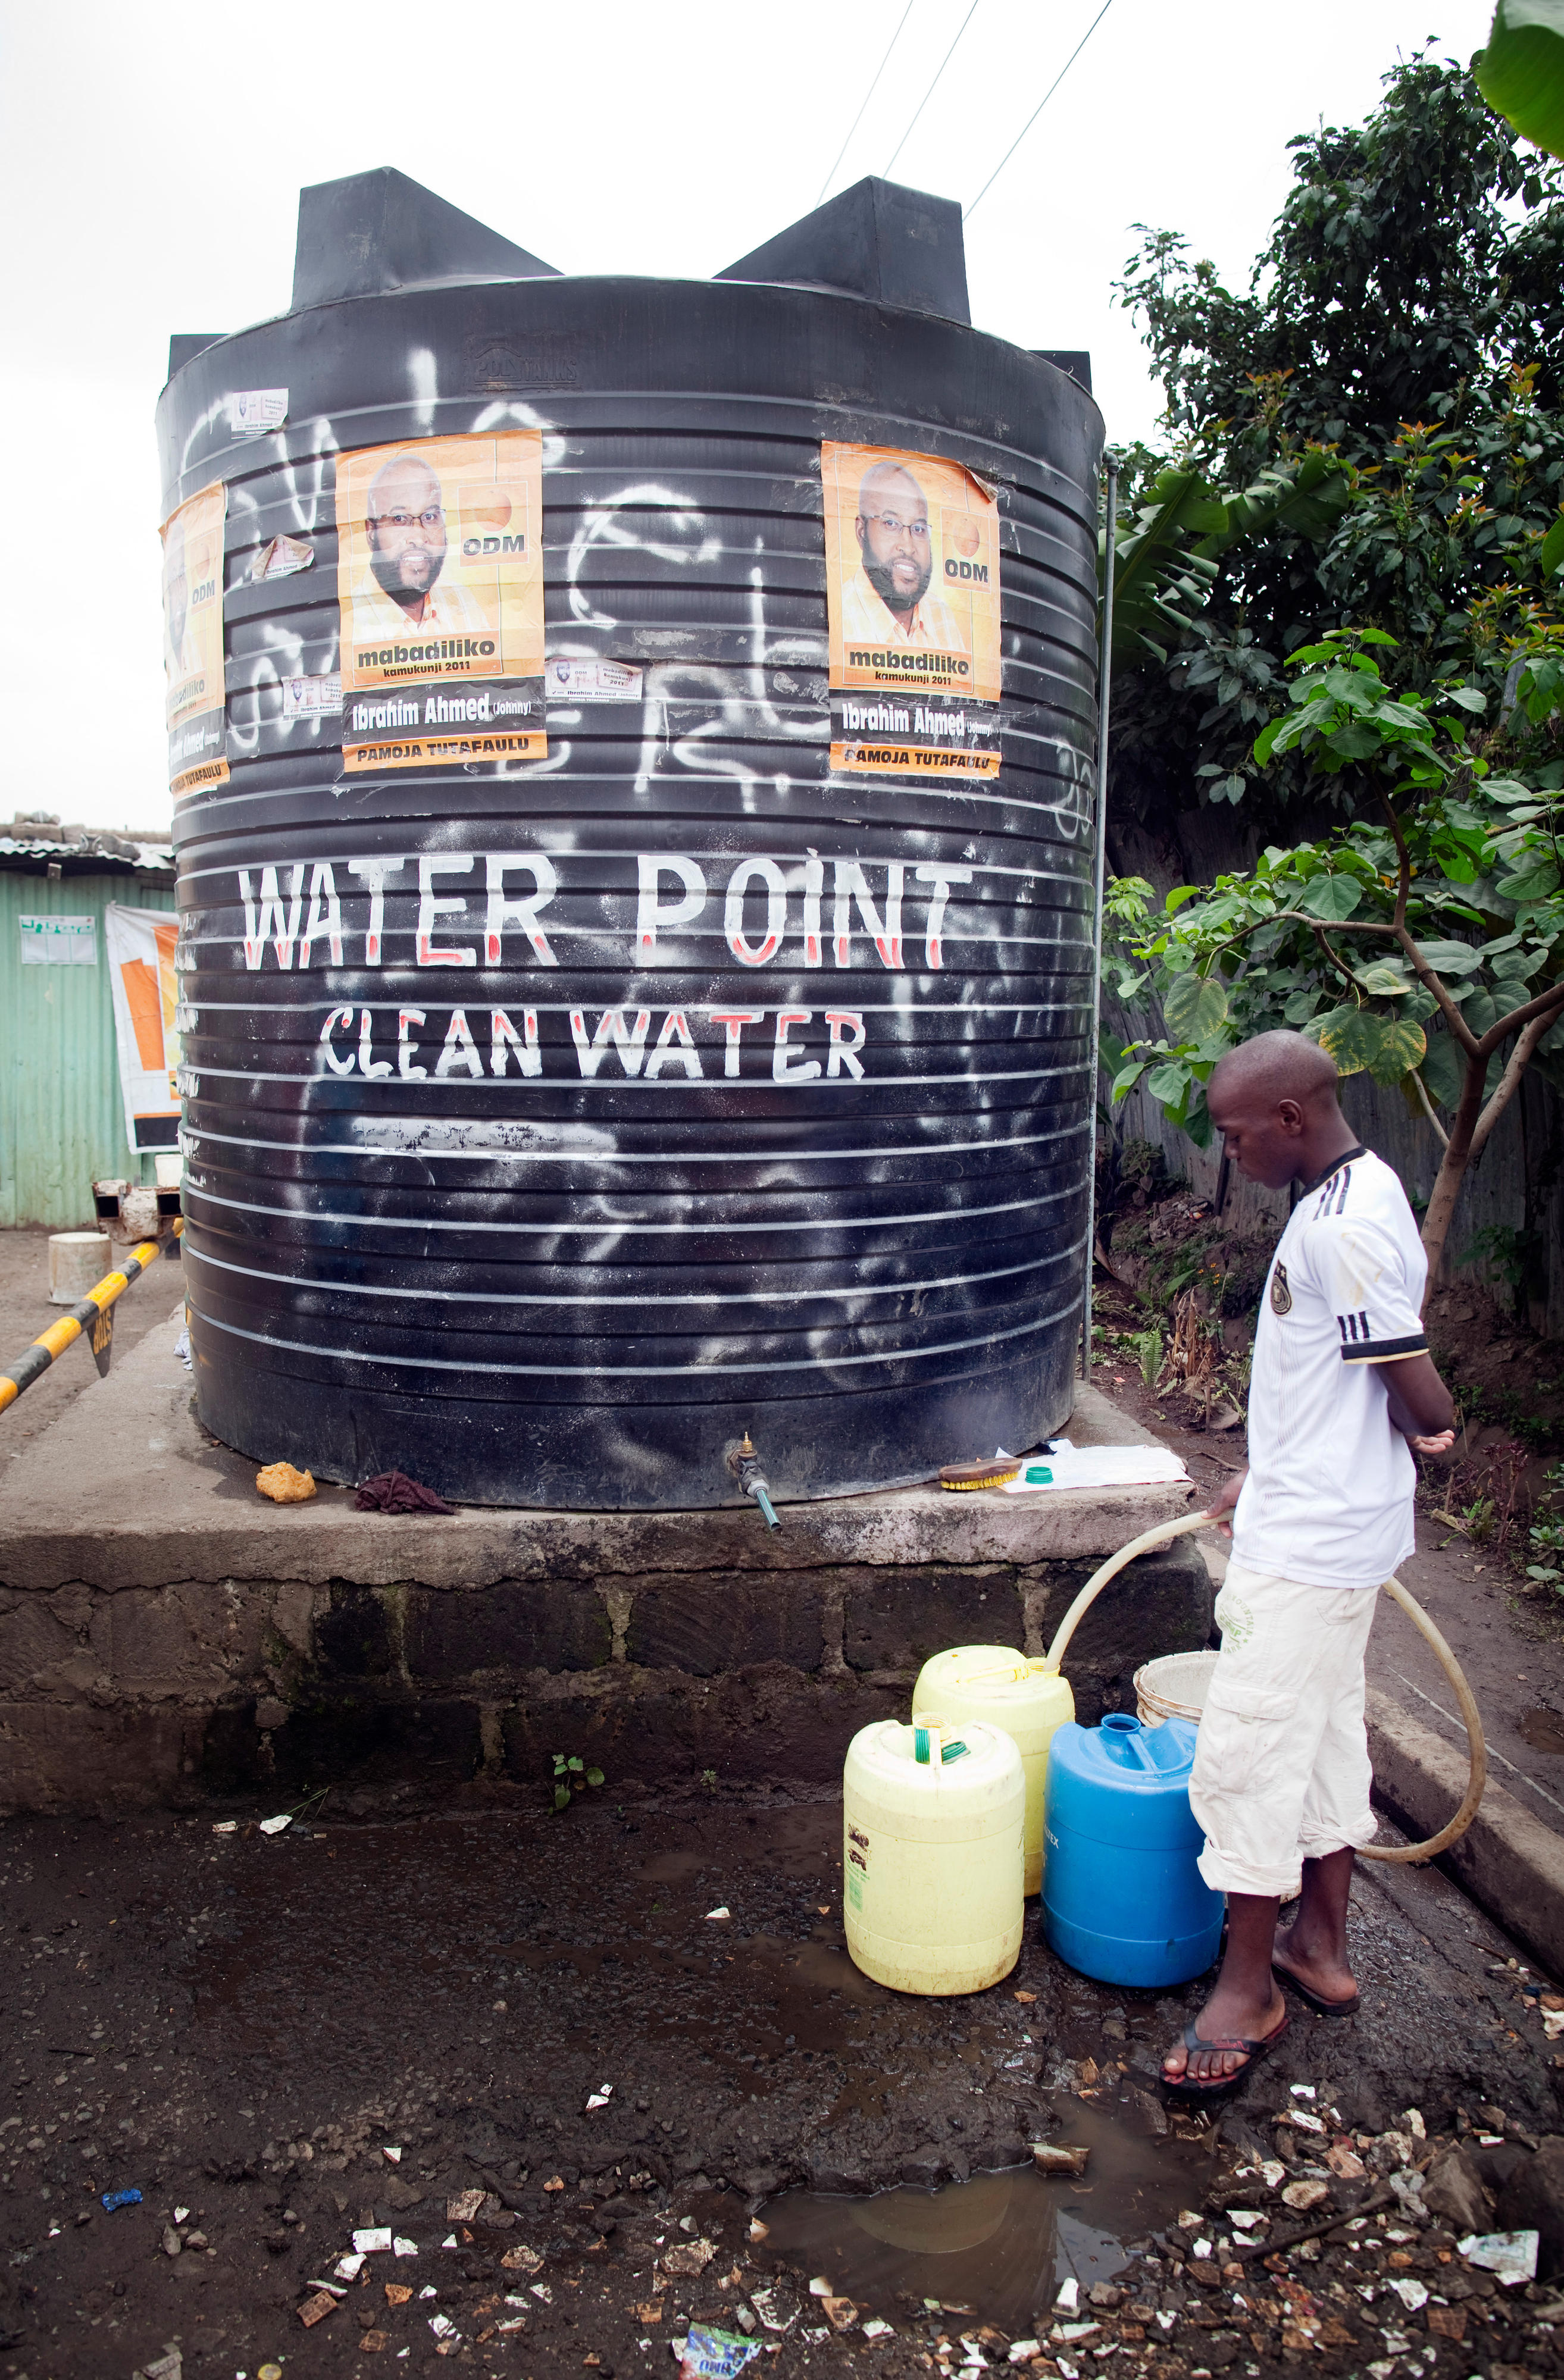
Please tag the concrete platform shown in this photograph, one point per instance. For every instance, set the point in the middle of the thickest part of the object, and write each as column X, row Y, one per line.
column 166, row 1635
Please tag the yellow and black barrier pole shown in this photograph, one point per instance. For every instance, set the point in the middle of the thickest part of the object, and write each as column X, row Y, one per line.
column 94, row 1312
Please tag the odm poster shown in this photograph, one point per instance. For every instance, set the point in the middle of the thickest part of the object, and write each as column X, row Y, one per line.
column 912, row 599
column 192, row 641
column 440, row 584
column 144, row 988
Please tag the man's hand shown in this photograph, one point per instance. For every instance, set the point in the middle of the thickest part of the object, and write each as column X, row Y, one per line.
column 1440, row 1442
column 1232, row 1489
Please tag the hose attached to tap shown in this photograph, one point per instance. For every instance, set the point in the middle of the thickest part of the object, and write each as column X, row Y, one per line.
column 1406, row 1855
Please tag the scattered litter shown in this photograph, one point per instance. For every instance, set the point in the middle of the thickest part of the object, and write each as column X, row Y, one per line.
column 316, row 2309
column 1303, row 2196
column 878, row 2329
column 820, row 2287
column 400, row 2247
column 115, row 2199
column 332, row 2289
column 713, row 1914
column 522, row 2259
column 600, row 2097
column 442, row 2326
column 1053, row 2156
column 181, row 2215
column 466, row 2207
column 713, row 2354
column 376, row 2243
column 1413, row 2294
column 1026, row 1998
column 1414, row 2123
column 554, row 2182
column 395, row 2156
column 449, row 2240
column 396, row 2293
column 1245, row 2218
column 278, row 1824
column 767, row 2305
column 541, row 2292
column 1301, row 2090
column 347, row 2268
column 1068, row 2296
column 393, row 1491
column 759, row 2230
column 1273, row 2173
column 1023, row 2349
column 226, row 1827
column 429, row 2290
column 1299, row 2121
column 373, row 2343
column 283, row 1485
column 1512, row 2255
column 1099, row 1466
column 841, row 2312
column 690, row 2257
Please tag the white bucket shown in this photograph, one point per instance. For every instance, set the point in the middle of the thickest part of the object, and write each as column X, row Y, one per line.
column 78, row 1261
column 1173, row 1686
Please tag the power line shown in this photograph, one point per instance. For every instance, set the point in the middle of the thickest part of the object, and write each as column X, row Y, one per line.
column 1038, row 109
column 930, row 93
column 867, row 97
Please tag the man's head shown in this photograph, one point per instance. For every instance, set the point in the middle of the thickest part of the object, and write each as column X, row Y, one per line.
column 406, row 521
column 892, row 529
column 1273, row 1099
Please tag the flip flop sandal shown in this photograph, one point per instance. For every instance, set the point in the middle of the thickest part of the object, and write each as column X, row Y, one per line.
column 1254, row 2052
column 1321, row 2006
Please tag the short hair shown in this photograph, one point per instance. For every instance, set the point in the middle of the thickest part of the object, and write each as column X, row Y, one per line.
column 1280, row 1065
column 395, row 463
column 882, row 471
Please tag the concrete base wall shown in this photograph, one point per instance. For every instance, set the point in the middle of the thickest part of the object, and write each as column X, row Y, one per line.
column 167, row 1635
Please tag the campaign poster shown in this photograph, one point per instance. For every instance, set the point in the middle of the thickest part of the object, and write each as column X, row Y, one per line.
column 440, row 584
column 144, row 987
column 912, row 599
column 192, row 641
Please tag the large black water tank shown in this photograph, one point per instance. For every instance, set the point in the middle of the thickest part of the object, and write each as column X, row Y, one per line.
column 581, row 1288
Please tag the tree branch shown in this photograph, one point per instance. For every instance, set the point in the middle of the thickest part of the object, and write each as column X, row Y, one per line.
column 1505, row 1088
column 1428, row 1107
column 1347, row 976
column 1448, row 1009
column 1404, row 863
column 1547, row 1003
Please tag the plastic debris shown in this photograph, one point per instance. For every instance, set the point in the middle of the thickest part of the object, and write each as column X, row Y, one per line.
column 1245, row 2218
column 400, row 2247
column 278, row 1824
column 429, row 2290
column 841, row 2312
column 393, row 2156
column 1303, row 2196
column 347, row 2268
column 181, row 2214
column 316, row 2309
column 1512, row 2255
column 442, row 2326
column 1025, row 1999
column 767, row 2305
column 600, row 2097
column 1053, row 2156
column 466, row 2207
column 396, row 2293
column 690, row 2257
column 522, row 2259
column 878, row 2329
column 712, row 1915
column 1413, row 2294
column 713, row 2354
column 283, row 1485
column 450, row 2240
column 226, row 1827
column 759, row 2230
column 373, row 2242
column 1273, row 2173
column 1023, row 2349
column 541, row 2292
column 1301, row 2090
column 115, row 2199
column 1068, row 2296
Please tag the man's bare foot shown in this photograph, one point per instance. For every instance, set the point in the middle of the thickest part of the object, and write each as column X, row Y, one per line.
column 1318, row 1968
column 1224, row 2018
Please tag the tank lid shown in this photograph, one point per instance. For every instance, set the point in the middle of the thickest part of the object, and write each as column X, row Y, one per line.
column 878, row 240
column 371, row 233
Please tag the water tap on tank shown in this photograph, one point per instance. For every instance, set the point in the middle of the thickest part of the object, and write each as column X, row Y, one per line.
column 744, row 1464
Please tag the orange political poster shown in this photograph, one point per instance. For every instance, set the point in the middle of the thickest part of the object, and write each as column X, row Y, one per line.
column 440, row 590
column 144, row 989
column 912, row 599
column 194, row 703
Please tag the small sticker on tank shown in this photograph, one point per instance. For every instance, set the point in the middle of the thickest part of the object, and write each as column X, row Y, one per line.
column 256, row 412
column 571, row 681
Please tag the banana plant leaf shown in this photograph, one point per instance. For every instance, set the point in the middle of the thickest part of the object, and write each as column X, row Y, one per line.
column 1521, row 74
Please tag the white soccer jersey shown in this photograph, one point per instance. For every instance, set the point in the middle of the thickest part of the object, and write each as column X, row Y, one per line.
column 1328, row 1499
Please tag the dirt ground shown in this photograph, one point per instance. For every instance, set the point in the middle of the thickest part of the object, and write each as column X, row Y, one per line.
column 241, row 2026
column 25, row 1312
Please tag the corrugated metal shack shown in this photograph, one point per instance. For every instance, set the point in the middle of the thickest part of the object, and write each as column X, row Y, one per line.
column 61, row 1117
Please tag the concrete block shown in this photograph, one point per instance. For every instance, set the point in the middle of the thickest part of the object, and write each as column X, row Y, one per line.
column 355, row 1634
column 515, row 1626
column 32, row 1637
column 708, row 1623
column 145, row 1640
column 895, row 1618
column 770, row 1724
column 1510, row 1863
column 377, row 1738
column 56, row 1758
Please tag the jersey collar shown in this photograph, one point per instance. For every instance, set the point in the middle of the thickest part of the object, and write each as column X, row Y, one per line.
column 1335, row 1166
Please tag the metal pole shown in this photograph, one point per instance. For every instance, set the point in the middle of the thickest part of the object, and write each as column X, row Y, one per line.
column 1104, row 677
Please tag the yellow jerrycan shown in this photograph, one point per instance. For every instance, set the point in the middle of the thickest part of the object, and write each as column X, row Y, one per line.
column 998, row 1685
column 933, row 1820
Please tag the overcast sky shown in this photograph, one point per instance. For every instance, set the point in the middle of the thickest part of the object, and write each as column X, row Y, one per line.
column 152, row 158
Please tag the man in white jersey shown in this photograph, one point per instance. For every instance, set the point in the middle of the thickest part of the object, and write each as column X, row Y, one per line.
column 1342, row 1391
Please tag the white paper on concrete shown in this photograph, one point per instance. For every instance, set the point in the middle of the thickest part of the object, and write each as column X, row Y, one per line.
column 1070, row 1466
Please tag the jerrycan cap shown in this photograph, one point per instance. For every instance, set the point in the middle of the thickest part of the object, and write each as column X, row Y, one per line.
column 1150, row 1752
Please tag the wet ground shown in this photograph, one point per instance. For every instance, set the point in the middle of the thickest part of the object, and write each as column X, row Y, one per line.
column 25, row 1312
column 243, row 2027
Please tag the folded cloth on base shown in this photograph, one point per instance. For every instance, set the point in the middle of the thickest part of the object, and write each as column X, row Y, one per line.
column 393, row 1491
column 1065, row 1465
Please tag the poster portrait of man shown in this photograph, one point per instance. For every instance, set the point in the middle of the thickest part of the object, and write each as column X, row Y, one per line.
column 404, row 583
column 889, row 597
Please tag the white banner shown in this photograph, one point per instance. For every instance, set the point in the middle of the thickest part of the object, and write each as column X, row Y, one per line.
column 140, row 944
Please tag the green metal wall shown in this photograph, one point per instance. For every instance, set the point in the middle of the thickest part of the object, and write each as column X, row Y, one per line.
column 61, row 1117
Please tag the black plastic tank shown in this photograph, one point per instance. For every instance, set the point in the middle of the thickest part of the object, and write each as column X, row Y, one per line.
column 565, row 1252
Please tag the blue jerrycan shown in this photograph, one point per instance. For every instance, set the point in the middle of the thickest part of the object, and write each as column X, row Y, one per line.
column 1122, row 1898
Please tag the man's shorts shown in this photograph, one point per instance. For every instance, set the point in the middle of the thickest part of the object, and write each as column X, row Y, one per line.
column 1281, row 1766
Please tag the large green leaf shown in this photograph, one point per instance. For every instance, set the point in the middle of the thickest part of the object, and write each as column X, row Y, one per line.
column 1401, row 1047
column 1387, row 978
column 1521, row 71
column 1330, row 898
column 1353, row 1036
column 1165, row 555
column 1195, row 1006
column 1451, row 959
column 1443, row 1069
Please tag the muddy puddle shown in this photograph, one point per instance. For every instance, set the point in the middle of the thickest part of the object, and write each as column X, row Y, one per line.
column 999, row 2246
